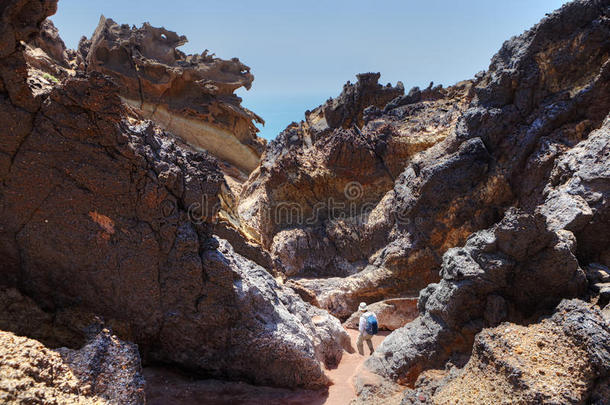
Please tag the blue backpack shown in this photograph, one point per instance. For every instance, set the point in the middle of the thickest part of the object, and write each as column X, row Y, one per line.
column 371, row 325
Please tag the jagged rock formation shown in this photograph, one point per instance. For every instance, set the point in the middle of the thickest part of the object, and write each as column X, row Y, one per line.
column 188, row 95
column 104, row 213
column 347, row 110
column 108, row 219
column 48, row 59
column 106, row 371
column 515, row 270
column 311, row 202
column 51, row 43
column 550, row 142
column 412, row 227
column 545, row 92
column 563, row 359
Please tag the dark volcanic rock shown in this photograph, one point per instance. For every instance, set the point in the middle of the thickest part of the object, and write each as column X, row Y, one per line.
column 109, row 368
column 90, row 194
column 103, row 213
column 347, row 110
column 563, row 359
column 546, row 92
column 105, row 218
column 541, row 112
column 412, row 229
column 311, row 202
column 51, row 43
column 514, row 271
column 21, row 21
column 248, row 327
column 578, row 195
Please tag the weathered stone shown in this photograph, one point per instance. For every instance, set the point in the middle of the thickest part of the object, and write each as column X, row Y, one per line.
column 107, row 370
column 530, row 267
column 51, row 43
column 104, row 214
column 48, row 60
column 578, row 195
column 189, row 95
column 532, row 136
column 391, row 314
column 107, row 219
column 109, row 367
column 407, row 260
column 323, row 180
column 347, row 110
column 559, row 360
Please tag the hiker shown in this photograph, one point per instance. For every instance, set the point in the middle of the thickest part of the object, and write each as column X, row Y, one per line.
column 367, row 328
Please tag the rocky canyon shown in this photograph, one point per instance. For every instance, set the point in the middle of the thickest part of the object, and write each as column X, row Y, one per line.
column 152, row 244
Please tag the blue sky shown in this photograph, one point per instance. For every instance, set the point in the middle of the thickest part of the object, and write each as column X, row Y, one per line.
column 301, row 52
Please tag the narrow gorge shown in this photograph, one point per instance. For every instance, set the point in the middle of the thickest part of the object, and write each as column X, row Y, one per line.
column 152, row 244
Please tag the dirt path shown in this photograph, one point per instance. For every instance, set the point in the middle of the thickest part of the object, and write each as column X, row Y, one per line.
column 342, row 391
column 168, row 387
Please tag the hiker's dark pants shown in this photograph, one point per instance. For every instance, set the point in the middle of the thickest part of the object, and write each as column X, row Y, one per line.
column 366, row 337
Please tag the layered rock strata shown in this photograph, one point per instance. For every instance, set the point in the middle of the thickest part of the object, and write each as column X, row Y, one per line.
column 191, row 96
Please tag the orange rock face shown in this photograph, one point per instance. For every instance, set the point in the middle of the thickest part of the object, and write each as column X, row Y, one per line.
column 563, row 359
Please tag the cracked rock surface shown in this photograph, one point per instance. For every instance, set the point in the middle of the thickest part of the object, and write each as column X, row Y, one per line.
column 103, row 212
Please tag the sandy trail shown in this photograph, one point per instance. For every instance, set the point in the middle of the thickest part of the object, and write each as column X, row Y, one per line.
column 167, row 387
column 343, row 391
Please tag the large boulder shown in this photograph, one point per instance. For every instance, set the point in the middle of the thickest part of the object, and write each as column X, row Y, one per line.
column 247, row 326
column 562, row 359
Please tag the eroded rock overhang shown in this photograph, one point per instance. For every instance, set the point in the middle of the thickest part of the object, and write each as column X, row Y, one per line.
column 191, row 96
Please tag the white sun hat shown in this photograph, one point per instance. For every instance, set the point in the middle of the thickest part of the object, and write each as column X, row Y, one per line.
column 362, row 306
